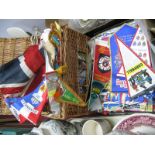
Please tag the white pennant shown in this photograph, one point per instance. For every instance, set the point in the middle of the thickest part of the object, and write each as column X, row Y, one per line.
column 140, row 46
column 139, row 75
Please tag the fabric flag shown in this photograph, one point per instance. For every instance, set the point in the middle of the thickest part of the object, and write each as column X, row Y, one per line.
column 102, row 65
column 139, row 76
column 101, row 72
column 118, row 80
column 117, row 102
column 31, row 105
column 60, row 91
column 16, row 74
column 136, row 40
column 66, row 94
column 141, row 47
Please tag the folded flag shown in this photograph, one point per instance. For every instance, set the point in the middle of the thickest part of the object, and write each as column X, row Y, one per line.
column 16, row 74
column 29, row 106
column 20, row 73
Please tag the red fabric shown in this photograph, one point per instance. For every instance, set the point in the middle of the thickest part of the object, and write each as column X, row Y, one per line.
column 15, row 90
column 98, row 75
column 36, row 62
column 37, row 80
column 33, row 58
column 40, row 63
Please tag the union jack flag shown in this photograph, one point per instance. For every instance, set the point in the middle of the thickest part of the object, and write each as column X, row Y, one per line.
column 23, row 73
column 16, row 74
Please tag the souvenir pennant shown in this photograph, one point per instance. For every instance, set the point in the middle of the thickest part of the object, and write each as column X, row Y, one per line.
column 136, row 40
column 102, row 65
column 68, row 95
column 141, row 47
column 29, row 106
column 121, row 102
column 101, row 72
column 139, row 76
column 118, row 80
column 96, row 89
column 60, row 91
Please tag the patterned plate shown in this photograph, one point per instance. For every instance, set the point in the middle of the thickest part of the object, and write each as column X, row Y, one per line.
column 137, row 123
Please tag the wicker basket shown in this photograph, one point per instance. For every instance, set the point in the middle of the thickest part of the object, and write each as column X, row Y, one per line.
column 10, row 49
column 72, row 43
column 67, row 111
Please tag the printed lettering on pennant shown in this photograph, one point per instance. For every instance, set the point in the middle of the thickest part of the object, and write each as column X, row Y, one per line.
column 140, row 77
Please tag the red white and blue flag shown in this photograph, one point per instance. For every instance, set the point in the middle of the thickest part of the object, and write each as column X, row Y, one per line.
column 24, row 73
column 29, row 106
column 16, row 74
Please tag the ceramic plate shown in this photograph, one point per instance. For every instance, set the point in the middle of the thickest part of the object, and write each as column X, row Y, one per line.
column 137, row 123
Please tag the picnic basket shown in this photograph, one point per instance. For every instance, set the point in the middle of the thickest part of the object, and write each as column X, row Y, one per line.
column 73, row 43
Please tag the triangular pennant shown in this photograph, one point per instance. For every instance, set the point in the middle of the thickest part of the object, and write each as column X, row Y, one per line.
column 68, row 95
column 139, row 75
column 102, row 65
column 118, row 80
column 29, row 106
column 60, row 91
column 101, row 72
column 141, row 47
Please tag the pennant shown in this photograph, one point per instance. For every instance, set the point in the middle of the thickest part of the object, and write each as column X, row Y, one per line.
column 60, row 91
column 68, row 95
column 122, row 102
column 139, row 76
column 102, row 65
column 118, row 80
column 96, row 89
column 101, row 72
column 141, row 47
column 136, row 40
column 29, row 106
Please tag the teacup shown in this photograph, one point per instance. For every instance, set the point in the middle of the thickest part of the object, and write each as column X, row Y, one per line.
column 96, row 127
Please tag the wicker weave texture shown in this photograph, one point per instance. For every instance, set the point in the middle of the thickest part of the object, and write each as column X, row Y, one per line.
column 72, row 43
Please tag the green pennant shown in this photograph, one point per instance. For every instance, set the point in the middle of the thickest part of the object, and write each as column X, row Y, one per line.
column 69, row 96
